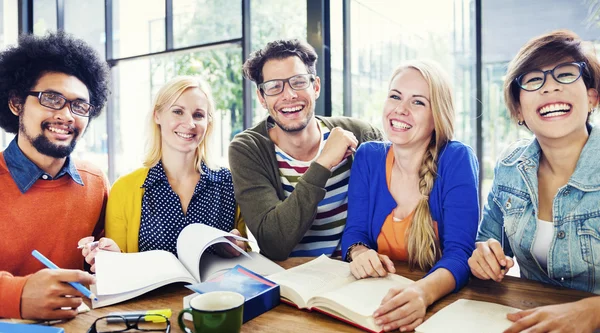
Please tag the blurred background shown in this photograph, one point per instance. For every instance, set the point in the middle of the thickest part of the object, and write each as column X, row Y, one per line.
column 360, row 42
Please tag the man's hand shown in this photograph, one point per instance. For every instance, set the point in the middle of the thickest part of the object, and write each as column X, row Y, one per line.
column 227, row 251
column 339, row 145
column 46, row 291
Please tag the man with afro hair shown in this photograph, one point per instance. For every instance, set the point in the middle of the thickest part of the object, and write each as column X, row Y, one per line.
column 51, row 87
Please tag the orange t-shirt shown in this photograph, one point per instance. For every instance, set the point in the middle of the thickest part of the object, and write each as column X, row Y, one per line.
column 392, row 240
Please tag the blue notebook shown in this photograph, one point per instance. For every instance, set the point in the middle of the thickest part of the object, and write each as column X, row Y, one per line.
column 28, row 328
column 260, row 293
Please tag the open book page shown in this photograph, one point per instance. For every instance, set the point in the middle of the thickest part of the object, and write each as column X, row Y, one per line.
column 213, row 265
column 360, row 297
column 467, row 316
column 195, row 239
column 302, row 282
column 118, row 273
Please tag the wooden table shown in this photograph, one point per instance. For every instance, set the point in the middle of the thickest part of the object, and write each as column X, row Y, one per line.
column 515, row 292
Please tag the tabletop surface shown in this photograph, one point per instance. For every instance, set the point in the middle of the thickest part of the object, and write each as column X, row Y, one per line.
column 515, row 292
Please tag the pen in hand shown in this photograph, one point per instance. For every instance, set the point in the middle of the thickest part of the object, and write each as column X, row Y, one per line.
column 502, row 267
column 91, row 245
column 85, row 291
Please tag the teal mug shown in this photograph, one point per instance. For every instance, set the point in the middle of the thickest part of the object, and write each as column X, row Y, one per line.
column 216, row 311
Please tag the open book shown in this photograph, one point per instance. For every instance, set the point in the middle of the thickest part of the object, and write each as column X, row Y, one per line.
column 122, row 276
column 327, row 285
column 467, row 316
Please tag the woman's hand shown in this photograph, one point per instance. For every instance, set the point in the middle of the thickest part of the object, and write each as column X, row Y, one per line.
column 227, row 251
column 368, row 263
column 403, row 308
column 89, row 250
column 580, row 316
column 487, row 259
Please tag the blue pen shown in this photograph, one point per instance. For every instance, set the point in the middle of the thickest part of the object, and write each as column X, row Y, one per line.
column 85, row 291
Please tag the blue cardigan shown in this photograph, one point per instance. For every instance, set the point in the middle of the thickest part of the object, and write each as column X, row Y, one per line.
column 454, row 203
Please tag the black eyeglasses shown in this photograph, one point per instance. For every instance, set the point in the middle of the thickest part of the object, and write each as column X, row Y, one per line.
column 564, row 73
column 296, row 82
column 56, row 101
column 142, row 323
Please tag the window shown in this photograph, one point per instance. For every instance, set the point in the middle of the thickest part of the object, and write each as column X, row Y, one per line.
column 506, row 27
column 337, row 57
column 381, row 41
column 8, row 36
column 138, row 31
column 93, row 145
column 200, row 22
column 44, row 16
column 9, row 23
column 85, row 20
column 271, row 20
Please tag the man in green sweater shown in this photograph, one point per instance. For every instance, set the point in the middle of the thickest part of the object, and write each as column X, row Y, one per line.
column 290, row 172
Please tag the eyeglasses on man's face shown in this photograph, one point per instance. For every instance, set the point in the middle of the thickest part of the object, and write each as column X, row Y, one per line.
column 142, row 323
column 296, row 82
column 564, row 73
column 56, row 101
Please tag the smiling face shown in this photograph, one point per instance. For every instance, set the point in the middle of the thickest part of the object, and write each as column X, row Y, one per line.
column 407, row 115
column 183, row 125
column 292, row 109
column 557, row 110
column 46, row 131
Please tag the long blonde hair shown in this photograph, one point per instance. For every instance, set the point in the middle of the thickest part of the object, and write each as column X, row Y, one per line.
column 166, row 96
column 423, row 247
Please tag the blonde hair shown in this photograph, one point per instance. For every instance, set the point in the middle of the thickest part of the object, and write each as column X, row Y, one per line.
column 165, row 98
column 423, row 247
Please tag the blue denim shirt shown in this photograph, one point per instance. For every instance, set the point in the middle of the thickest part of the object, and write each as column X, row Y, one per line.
column 25, row 173
column 574, row 253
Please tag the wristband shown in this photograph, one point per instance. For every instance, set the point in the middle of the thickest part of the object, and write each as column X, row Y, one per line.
column 349, row 251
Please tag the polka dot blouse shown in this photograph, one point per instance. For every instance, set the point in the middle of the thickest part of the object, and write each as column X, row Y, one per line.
column 212, row 204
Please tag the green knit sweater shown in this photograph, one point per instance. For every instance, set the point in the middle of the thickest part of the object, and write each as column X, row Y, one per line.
column 277, row 222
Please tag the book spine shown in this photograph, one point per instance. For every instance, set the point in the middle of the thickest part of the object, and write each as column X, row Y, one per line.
column 261, row 303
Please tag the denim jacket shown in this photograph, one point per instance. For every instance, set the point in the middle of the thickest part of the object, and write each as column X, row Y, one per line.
column 574, row 253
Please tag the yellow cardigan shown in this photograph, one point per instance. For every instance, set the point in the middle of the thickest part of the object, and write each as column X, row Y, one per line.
column 124, row 211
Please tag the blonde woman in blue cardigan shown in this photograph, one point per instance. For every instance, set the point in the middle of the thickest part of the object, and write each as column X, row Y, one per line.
column 148, row 208
column 413, row 198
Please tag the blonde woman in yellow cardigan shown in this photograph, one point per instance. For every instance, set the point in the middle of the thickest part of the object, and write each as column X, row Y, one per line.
column 148, row 208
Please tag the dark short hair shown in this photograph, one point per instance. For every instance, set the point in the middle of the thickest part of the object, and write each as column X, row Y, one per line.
column 23, row 65
column 280, row 49
column 546, row 50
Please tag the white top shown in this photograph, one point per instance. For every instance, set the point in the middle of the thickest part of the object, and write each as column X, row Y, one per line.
column 542, row 241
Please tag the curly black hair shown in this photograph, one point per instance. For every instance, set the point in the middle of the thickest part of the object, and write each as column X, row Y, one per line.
column 280, row 49
column 22, row 66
